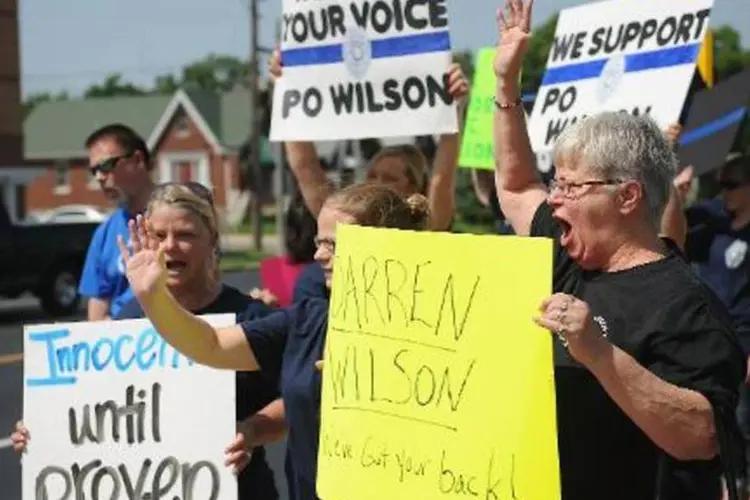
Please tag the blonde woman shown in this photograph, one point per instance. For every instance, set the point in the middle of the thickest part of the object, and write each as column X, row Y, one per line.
column 183, row 221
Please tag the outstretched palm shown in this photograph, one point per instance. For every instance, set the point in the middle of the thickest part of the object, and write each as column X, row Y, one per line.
column 514, row 28
column 144, row 266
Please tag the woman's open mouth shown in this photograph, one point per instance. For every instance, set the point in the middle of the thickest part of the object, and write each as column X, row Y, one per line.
column 565, row 235
column 176, row 266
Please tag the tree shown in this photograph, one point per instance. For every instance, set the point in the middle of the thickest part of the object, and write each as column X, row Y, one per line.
column 215, row 73
column 113, row 86
column 33, row 100
column 535, row 61
column 465, row 59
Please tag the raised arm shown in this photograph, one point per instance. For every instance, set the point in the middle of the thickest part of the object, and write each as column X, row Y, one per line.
column 303, row 159
column 226, row 348
column 520, row 189
column 442, row 188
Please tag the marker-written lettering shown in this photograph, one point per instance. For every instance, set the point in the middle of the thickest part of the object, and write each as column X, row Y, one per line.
column 67, row 359
column 376, row 292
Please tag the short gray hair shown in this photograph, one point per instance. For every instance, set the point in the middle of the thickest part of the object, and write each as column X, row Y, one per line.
column 619, row 146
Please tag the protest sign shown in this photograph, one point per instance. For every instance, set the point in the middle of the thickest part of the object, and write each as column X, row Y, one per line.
column 436, row 380
column 619, row 55
column 477, row 148
column 363, row 68
column 714, row 118
column 114, row 412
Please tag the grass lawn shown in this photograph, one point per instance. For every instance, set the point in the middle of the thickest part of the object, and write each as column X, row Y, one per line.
column 241, row 261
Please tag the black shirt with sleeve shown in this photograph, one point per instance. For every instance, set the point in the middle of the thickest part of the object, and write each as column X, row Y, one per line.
column 290, row 341
column 665, row 318
column 254, row 391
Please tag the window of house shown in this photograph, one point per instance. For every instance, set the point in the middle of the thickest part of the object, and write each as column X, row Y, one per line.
column 92, row 183
column 62, row 177
column 182, row 126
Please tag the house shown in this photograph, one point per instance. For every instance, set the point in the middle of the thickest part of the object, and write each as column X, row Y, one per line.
column 192, row 135
column 197, row 136
column 14, row 173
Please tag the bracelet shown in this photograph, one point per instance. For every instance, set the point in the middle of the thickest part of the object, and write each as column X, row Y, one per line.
column 518, row 102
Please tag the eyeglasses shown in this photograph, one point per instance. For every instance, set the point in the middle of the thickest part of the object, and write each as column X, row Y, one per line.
column 328, row 243
column 108, row 165
column 567, row 189
column 729, row 185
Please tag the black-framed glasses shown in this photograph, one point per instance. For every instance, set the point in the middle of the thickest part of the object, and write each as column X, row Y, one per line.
column 567, row 188
column 108, row 165
column 729, row 184
column 328, row 243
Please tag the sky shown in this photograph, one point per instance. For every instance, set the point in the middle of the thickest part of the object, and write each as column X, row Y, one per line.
column 66, row 45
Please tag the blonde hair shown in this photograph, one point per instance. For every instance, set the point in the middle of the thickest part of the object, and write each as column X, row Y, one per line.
column 376, row 205
column 415, row 163
column 195, row 199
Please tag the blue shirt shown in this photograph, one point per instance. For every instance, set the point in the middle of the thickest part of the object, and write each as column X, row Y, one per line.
column 720, row 256
column 254, row 390
column 290, row 341
column 103, row 274
column 310, row 284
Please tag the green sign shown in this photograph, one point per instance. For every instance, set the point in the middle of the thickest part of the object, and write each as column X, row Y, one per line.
column 477, row 150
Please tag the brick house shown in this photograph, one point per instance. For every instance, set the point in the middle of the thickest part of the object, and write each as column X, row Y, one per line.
column 192, row 136
column 14, row 173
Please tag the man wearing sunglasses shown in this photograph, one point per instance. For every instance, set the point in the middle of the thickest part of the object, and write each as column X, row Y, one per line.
column 718, row 242
column 120, row 162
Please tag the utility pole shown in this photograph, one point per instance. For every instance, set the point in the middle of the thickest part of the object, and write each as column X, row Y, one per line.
column 255, row 122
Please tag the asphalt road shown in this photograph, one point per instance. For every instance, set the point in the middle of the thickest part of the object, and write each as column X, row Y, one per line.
column 13, row 316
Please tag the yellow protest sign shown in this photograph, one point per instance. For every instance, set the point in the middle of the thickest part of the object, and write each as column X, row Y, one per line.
column 436, row 381
column 477, row 149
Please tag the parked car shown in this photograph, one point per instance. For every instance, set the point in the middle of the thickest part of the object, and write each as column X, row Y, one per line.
column 44, row 259
column 73, row 213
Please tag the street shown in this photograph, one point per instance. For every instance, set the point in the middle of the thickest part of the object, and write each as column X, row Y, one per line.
column 13, row 315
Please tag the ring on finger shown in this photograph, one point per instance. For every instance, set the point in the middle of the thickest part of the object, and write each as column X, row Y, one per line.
column 561, row 335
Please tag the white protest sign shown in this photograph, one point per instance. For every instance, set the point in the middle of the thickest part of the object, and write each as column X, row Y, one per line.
column 115, row 413
column 363, row 68
column 620, row 55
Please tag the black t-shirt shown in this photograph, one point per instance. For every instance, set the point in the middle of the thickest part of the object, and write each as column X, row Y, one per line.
column 254, row 390
column 662, row 315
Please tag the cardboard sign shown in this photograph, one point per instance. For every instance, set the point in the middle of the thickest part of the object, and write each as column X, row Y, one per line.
column 363, row 68
column 115, row 412
column 712, row 124
column 477, row 148
column 619, row 55
column 437, row 383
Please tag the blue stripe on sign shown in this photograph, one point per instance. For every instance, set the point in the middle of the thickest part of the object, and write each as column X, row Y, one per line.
column 662, row 58
column 406, row 45
column 713, row 127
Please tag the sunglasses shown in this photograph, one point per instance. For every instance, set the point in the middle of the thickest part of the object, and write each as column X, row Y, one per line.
column 107, row 165
column 730, row 185
column 195, row 188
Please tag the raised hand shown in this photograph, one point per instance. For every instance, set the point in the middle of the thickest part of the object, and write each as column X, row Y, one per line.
column 274, row 64
column 144, row 265
column 514, row 27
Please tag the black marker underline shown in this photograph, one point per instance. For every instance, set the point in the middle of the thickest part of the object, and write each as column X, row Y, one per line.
column 394, row 415
column 386, row 337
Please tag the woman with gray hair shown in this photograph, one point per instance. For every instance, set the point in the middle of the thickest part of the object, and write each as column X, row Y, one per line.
column 646, row 365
